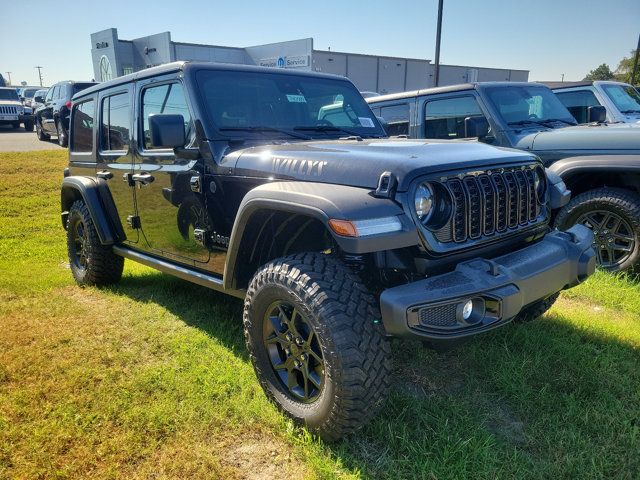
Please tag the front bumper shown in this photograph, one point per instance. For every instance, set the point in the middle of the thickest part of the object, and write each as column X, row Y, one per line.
column 498, row 288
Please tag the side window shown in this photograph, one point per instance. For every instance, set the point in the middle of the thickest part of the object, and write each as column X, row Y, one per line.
column 168, row 98
column 397, row 118
column 115, row 127
column 82, row 126
column 60, row 91
column 50, row 93
column 444, row 119
column 578, row 103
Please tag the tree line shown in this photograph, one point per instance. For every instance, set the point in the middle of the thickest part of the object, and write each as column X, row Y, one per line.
column 622, row 73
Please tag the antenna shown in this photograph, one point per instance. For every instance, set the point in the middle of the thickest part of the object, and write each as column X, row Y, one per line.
column 39, row 73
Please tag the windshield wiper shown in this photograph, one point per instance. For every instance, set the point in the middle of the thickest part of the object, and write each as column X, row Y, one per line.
column 524, row 122
column 327, row 128
column 262, row 129
column 630, row 111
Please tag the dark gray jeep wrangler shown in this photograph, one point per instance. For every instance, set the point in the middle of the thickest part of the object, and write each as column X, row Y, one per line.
column 279, row 187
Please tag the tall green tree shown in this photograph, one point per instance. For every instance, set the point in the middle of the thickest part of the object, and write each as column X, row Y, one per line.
column 625, row 68
column 603, row 72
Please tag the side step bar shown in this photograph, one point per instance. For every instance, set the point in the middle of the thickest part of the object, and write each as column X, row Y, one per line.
column 185, row 273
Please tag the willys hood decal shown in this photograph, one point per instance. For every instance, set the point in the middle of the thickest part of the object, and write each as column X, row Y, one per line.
column 360, row 163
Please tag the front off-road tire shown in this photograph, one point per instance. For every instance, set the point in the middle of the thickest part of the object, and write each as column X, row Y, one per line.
column 28, row 126
column 348, row 353
column 91, row 262
column 614, row 216
column 536, row 309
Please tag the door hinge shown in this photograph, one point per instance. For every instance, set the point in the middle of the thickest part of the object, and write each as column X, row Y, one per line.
column 201, row 237
column 196, row 183
column 134, row 221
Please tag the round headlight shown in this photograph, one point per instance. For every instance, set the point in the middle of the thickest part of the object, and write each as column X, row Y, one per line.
column 540, row 183
column 424, row 202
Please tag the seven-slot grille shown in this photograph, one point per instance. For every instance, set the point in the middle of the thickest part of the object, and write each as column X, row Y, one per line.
column 489, row 203
column 8, row 110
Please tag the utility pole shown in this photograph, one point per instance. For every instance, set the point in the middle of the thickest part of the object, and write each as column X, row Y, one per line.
column 635, row 64
column 9, row 75
column 39, row 73
column 438, row 35
column 562, row 75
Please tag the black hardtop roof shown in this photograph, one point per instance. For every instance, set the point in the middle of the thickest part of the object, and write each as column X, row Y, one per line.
column 447, row 89
column 186, row 65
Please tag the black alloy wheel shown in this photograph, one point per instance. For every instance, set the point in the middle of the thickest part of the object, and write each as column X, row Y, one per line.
column 614, row 239
column 294, row 351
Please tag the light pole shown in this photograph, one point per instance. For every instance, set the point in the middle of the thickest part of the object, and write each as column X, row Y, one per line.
column 39, row 73
column 438, row 35
column 9, row 75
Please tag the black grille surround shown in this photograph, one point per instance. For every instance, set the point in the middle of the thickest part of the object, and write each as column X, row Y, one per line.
column 487, row 205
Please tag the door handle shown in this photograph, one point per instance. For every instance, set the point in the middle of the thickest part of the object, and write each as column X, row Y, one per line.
column 105, row 175
column 143, row 178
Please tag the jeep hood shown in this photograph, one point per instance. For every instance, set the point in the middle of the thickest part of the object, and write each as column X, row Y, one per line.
column 599, row 138
column 13, row 103
column 360, row 163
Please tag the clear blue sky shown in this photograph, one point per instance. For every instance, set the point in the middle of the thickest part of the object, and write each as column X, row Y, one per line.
column 547, row 37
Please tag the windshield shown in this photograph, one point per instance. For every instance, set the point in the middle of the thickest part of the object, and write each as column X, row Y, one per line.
column 29, row 92
column 258, row 103
column 528, row 104
column 625, row 97
column 9, row 94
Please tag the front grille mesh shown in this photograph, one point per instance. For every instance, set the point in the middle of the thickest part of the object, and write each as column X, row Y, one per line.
column 486, row 204
column 8, row 110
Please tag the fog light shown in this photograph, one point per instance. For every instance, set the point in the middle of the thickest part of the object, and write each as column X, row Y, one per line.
column 467, row 310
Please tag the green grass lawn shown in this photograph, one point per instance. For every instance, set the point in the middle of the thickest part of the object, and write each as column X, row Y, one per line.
column 150, row 378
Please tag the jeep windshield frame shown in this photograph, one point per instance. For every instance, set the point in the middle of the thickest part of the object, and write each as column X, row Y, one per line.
column 260, row 105
column 519, row 107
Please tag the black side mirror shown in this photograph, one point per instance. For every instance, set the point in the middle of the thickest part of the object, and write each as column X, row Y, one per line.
column 38, row 99
column 476, row 127
column 167, row 130
column 385, row 125
column 596, row 114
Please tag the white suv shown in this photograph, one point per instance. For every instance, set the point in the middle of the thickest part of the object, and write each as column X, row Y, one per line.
column 621, row 100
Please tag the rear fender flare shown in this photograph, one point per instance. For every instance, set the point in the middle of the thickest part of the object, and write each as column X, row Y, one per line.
column 95, row 194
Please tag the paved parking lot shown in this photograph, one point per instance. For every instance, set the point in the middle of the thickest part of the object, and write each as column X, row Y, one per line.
column 20, row 141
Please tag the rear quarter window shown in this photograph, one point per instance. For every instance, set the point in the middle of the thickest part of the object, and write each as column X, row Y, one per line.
column 82, row 119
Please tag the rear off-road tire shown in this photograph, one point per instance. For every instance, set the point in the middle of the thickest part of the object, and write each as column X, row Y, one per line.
column 348, row 354
column 91, row 262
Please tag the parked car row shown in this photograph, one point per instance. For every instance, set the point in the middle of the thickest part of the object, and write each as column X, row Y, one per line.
column 599, row 161
column 54, row 107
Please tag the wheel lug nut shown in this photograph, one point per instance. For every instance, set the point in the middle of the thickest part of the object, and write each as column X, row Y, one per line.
column 287, row 351
column 303, row 357
column 297, row 363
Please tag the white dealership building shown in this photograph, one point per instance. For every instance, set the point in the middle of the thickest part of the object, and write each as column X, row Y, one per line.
column 113, row 57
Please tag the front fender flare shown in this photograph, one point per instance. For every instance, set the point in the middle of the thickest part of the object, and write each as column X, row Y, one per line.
column 567, row 167
column 96, row 195
column 322, row 202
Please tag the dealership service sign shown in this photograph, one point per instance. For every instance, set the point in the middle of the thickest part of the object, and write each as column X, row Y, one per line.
column 294, row 61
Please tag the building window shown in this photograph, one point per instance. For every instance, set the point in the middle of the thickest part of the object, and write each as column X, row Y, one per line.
column 105, row 69
column 127, row 69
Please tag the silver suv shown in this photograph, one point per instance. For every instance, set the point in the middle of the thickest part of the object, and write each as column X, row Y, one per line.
column 12, row 111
